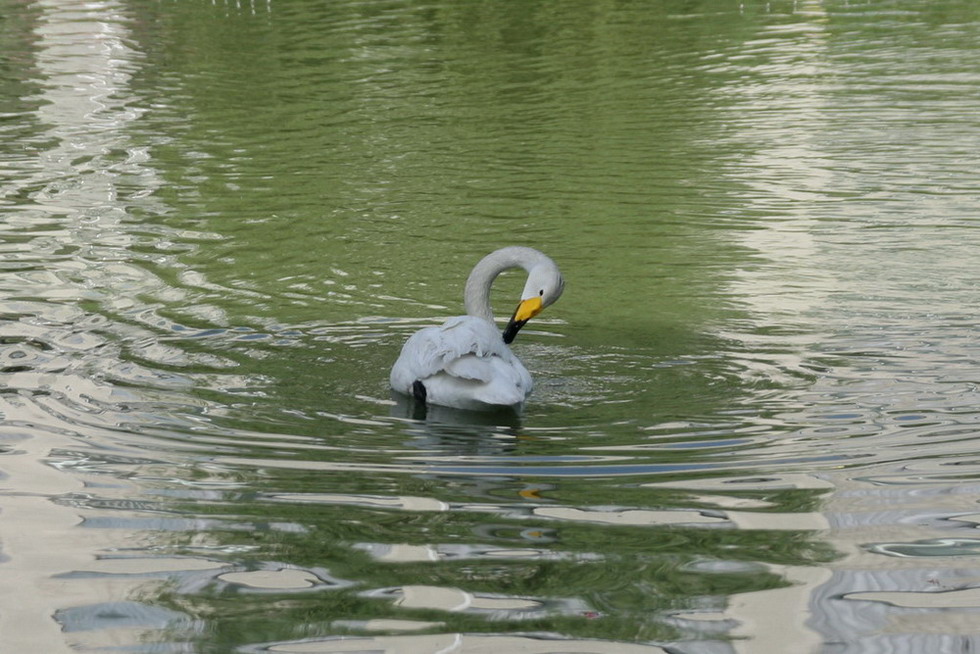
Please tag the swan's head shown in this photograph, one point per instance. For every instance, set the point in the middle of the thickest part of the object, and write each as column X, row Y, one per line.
column 544, row 286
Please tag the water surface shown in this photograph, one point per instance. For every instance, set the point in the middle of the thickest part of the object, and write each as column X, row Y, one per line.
column 754, row 421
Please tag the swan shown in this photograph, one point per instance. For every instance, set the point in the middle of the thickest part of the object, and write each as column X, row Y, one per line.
column 465, row 362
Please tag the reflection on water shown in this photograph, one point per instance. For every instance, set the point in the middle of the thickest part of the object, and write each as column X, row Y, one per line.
column 461, row 643
column 754, row 417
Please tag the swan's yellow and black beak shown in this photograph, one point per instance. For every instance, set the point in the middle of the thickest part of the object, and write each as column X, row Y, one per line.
column 526, row 310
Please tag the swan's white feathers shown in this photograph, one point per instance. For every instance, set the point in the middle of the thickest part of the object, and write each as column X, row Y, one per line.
column 432, row 349
column 462, row 363
column 465, row 362
column 472, row 367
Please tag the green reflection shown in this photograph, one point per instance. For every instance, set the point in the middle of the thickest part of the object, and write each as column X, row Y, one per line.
column 614, row 582
column 349, row 163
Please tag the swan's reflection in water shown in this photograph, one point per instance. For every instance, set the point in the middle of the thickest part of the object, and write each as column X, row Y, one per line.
column 437, row 430
column 406, row 408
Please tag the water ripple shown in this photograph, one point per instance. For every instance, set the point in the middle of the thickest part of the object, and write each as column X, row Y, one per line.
column 222, row 219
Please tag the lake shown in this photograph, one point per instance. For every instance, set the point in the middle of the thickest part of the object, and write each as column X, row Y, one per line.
column 755, row 417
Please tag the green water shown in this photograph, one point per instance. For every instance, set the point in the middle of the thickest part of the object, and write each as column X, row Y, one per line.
column 755, row 404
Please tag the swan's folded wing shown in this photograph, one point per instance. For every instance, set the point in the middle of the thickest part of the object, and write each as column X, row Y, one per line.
column 431, row 350
column 435, row 349
column 462, row 363
column 472, row 367
column 506, row 385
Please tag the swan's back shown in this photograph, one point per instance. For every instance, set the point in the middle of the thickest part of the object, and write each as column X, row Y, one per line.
column 462, row 363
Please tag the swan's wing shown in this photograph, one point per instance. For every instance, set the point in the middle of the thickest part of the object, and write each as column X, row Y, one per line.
column 433, row 349
column 472, row 367
column 463, row 360
column 492, row 380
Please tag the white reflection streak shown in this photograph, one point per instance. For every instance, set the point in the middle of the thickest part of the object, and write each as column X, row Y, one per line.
column 84, row 63
column 803, row 274
column 783, row 171
column 792, row 282
column 82, row 60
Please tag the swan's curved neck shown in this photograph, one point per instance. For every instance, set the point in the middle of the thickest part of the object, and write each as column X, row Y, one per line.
column 477, row 293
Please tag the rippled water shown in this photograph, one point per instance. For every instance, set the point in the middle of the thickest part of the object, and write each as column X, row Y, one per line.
column 756, row 409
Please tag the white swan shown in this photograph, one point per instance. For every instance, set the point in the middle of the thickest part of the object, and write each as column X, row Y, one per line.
column 465, row 362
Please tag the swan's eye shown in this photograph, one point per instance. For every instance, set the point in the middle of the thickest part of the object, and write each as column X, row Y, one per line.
column 541, row 292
